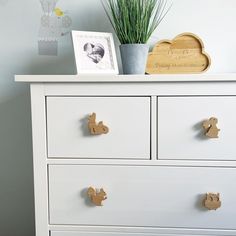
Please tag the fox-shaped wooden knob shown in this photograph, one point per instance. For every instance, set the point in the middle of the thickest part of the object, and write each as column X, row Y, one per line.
column 95, row 196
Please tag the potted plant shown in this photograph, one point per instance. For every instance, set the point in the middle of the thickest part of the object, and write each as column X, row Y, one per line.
column 134, row 21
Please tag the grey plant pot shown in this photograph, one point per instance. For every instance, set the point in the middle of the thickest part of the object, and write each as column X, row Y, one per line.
column 134, row 58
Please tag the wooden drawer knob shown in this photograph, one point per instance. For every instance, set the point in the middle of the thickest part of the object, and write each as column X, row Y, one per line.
column 212, row 201
column 96, row 128
column 211, row 130
column 96, row 196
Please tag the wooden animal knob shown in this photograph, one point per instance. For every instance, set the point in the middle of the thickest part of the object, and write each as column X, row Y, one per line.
column 212, row 201
column 210, row 127
column 96, row 128
column 96, row 196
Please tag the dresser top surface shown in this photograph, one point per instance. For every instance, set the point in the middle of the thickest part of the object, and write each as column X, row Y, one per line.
column 96, row 78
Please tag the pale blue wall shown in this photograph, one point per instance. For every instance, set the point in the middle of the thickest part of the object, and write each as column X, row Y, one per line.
column 213, row 20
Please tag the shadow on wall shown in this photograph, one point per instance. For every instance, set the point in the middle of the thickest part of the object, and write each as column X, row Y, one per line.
column 16, row 158
column 16, row 175
column 52, row 65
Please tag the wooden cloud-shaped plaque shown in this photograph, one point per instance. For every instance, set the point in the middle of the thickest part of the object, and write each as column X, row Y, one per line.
column 184, row 54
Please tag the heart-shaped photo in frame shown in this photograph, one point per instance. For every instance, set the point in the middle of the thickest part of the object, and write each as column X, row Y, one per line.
column 95, row 52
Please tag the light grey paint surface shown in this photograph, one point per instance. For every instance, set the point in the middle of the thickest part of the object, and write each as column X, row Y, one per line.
column 212, row 20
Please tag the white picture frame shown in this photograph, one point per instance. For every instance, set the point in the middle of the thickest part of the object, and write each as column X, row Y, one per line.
column 94, row 52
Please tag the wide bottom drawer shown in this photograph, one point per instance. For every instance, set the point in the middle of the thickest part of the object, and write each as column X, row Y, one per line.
column 79, row 233
column 74, row 233
column 64, row 233
column 152, row 196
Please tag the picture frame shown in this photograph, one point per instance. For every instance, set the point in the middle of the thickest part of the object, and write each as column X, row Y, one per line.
column 94, row 52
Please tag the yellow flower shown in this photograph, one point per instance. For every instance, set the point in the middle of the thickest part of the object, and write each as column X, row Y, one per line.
column 58, row 12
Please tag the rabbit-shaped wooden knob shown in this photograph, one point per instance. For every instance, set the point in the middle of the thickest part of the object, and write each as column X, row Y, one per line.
column 212, row 201
column 95, row 196
column 96, row 128
column 211, row 130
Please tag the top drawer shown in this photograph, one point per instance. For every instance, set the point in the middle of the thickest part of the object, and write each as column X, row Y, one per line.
column 128, row 120
column 180, row 128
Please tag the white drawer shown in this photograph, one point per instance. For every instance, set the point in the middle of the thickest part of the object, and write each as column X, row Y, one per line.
column 128, row 120
column 180, row 131
column 74, row 233
column 79, row 233
column 151, row 196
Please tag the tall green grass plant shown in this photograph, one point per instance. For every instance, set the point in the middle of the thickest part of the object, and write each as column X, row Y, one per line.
column 134, row 21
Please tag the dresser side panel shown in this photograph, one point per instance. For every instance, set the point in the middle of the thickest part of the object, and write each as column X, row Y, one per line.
column 39, row 158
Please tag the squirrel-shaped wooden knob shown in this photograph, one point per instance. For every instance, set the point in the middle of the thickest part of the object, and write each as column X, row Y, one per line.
column 212, row 201
column 210, row 127
column 96, row 197
column 96, row 128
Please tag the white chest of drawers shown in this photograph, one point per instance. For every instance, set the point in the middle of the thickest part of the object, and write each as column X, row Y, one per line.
column 155, row 163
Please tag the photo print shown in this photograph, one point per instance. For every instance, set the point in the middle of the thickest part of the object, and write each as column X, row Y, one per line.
column 94, row 51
